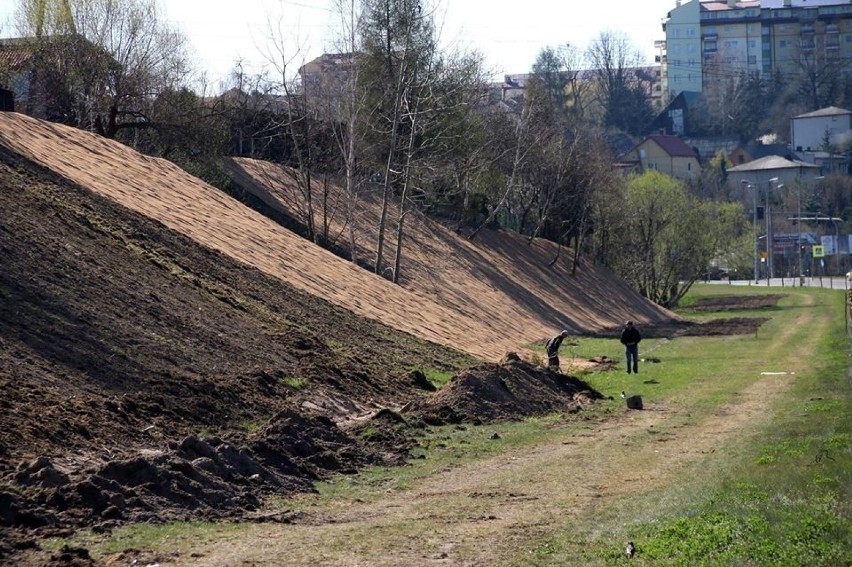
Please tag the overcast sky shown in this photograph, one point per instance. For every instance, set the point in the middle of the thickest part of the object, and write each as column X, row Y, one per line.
column 509, row 33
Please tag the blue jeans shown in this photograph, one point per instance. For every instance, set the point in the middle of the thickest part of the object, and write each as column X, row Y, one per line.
column 632, row 352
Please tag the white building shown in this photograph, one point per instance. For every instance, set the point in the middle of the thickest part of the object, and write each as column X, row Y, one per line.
column 826, row 129
column 709, row 40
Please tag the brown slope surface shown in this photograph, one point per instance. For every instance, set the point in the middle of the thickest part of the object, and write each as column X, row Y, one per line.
column 162, row 191
column 147, row 377
column 501, row 279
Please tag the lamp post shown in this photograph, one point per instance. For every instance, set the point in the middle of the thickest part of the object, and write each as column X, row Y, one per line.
column 753, row 221
column 770, row 264
column 767, row 221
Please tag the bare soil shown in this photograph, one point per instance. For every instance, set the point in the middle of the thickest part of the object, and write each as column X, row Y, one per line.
column 147, row 377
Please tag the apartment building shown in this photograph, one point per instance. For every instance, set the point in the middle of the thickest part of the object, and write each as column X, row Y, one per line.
column 710, row 40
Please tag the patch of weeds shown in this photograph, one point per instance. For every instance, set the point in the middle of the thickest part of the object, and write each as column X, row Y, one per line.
column 294, row 383
column 118, row 351
column 766, row 459
column 368, row 432
column 438, row 378
column 205, row 432
column 823, row 406
column 546, row 549
column 250, row 425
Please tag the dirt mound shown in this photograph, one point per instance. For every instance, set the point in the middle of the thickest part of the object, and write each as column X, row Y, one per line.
column 510, row 390
column 194, row 478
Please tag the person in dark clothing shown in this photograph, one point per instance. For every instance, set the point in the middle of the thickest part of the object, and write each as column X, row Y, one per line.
column 552, row 349
column 630, row 338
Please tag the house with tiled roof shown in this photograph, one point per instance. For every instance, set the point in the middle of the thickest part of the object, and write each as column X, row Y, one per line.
column 666, row 154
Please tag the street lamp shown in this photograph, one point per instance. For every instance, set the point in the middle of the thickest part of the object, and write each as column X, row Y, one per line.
column 770, row 245
column 753, row 221
column 767, row 221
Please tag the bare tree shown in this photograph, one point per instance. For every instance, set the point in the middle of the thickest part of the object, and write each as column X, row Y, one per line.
column 398, row 41
column 129, row 56
column 622, row 87
column 350, row 105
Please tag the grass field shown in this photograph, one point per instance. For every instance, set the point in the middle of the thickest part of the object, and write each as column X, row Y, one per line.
column 696, row 480
column 782, row 495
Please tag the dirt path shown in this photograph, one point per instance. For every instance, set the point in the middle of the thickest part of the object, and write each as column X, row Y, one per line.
column 483, row 513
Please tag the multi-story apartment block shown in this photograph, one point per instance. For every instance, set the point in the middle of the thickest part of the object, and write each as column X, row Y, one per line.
column 710, row 40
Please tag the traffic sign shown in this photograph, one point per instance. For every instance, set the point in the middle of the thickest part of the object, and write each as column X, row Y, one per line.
column 818, row 251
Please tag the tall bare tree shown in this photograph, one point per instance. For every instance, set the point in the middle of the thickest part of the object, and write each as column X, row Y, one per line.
column 621, row 84
column 398, row 38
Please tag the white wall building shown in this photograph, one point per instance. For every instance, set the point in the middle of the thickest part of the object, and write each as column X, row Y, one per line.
column 827, row 129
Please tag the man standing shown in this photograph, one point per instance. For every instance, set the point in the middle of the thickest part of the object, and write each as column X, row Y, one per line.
column 630, row 338
column 552, row 349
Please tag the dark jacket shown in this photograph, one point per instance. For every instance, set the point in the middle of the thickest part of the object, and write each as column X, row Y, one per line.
column 630, row 336
column 552, row 346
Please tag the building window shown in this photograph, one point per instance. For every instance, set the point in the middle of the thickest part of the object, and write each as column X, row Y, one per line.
column 782, row 43
column 752, row 59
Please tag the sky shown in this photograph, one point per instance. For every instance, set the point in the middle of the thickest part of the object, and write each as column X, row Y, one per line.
column 508, row 33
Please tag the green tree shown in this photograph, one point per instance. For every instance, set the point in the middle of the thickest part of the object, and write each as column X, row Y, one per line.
column 670, row 236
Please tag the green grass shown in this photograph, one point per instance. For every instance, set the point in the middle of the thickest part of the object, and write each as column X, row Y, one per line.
column 250, row 425
column 783, row 496
column 179, row 536
column 294, row 383
column 438, row 378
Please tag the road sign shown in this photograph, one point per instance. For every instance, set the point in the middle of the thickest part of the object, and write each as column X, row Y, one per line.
column 818, row 251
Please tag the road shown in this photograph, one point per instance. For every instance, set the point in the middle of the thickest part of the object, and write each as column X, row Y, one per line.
column 823, row 282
